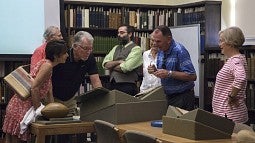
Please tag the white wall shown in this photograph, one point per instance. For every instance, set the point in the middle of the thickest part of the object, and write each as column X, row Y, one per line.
column 240, row 13
column 23, row 23
column 245, row 19
column 51, row 13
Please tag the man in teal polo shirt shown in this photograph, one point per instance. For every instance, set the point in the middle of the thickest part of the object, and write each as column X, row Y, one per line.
column 175, row 69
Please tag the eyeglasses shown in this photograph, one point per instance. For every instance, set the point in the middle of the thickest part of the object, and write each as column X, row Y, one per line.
column 122, row 32
column 85, row 48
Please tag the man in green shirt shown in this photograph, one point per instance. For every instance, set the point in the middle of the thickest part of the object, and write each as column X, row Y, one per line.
column 123, row 62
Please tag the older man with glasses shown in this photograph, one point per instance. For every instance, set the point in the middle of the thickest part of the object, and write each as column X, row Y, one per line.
column 68, row 77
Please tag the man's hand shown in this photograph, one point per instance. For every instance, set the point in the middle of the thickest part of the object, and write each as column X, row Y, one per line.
column 117, row 67
column 112, row 64
column 161, row 73
column 151, row 69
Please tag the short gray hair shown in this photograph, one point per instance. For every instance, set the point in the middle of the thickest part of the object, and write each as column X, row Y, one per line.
column 233, row 36
column 49, row 32
column 78, row 37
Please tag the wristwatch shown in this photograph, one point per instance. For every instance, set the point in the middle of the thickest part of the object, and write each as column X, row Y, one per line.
column 170, row 73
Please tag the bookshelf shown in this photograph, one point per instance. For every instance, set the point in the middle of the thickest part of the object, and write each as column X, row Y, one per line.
column 103, row 19
column 214, row 62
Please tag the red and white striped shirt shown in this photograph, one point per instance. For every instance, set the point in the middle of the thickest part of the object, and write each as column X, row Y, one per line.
column 232, row 74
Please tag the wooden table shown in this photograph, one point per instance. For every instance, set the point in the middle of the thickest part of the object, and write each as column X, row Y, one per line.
column 41, row 130
column 157, row 132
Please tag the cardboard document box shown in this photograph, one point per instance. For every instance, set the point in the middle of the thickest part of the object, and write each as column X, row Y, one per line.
column 196, row 124
column 118, row 107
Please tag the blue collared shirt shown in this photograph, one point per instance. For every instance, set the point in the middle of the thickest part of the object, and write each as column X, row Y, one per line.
column 177, row 59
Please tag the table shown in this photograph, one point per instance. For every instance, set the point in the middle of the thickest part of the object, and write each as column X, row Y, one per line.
column 157, row 132
column 41, row 130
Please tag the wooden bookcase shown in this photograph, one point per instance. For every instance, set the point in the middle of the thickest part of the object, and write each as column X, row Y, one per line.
column 206, row 13
column 103, row 19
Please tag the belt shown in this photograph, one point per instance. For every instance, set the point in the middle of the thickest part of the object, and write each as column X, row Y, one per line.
column 185, row 91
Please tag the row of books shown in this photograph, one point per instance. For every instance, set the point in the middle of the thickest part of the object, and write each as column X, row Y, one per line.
column 105, row 44
column 99, row 17
column 251, row 66
column 214, row 64
column 250, row 100
column 142, row 39
column 194, row 16
column 217, row 60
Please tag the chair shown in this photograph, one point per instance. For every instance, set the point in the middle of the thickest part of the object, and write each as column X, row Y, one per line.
column 139, row 137
column 106, row 132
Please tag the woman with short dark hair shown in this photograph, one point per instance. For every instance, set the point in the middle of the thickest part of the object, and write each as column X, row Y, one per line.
column 41, row 89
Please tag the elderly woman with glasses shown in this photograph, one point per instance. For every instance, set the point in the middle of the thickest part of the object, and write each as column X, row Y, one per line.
column 231, row 81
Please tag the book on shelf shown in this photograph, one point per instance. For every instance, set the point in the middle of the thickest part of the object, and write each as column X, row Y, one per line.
column 78, row 16
column 132, row 19
column 71, row 17
column 161, row 18
column 2, row 69
column 250, row 100
column 86, row 18
column 214, row 64
column 74, row 18
column 111, row 19
column 156, row 19
column 125, row 16
column 251, row 66
column 138, row 19
column 150, row 19
column 178, row 17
